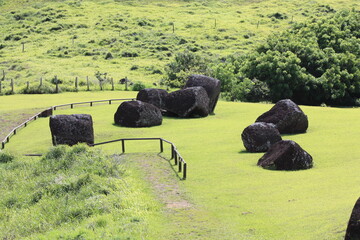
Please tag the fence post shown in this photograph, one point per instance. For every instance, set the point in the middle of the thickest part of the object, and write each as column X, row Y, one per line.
column 76, row 83
column 184, row 172
column 161, row 146
column 112, row 84
column 180, row 165
column 87, row 82
column 2, row 145
column 2, row 79
column 12, row 86
column 176, row 157
column 57, row 84
column 173, row 27
column 71, row 106
column 109, row 102
column 172, row 151
column 123, row 145
column 23, row 47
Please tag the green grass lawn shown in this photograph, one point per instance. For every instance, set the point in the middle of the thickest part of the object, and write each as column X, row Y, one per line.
column 231, row 197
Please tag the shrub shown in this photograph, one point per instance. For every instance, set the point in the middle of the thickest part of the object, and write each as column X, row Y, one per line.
column 6, row 157
column 37, row 89
column 183, row 65
column 313, row 62
column 138, row 86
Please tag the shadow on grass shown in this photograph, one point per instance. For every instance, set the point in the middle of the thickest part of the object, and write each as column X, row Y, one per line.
column 173, row 166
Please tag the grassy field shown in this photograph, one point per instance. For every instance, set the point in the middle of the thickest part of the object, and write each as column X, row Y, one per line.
column 226, row 196
column 72, row 38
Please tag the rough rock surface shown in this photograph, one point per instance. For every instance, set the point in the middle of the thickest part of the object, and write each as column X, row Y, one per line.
column 258, row 137
column 153, row 96
column 137, row 114
column 46, row 113
column 188, row 102
column 212, row 87
column 353, row 228
column 287, row 116
column 286, row 155
column 72, row 129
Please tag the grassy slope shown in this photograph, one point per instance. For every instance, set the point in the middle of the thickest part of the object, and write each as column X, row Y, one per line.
column 142, row 27
column 234, row 198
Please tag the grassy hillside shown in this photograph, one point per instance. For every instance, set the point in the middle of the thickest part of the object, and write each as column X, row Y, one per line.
column 228, row 196
column 134, row 39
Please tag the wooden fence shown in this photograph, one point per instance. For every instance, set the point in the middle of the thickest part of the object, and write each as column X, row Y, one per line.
column 178, row 159
column 49, row 111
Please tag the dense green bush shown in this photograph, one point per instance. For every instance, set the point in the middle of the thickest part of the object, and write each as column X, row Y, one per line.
column 313, row 62
column 184, row 64
column 6, row 157
column 138, row 86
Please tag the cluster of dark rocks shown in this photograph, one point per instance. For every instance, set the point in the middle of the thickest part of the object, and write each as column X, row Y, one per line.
column 197, row 99
column 285, row 117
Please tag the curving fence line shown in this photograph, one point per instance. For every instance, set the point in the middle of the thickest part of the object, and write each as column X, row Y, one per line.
column 49, row 111
column 179, row 160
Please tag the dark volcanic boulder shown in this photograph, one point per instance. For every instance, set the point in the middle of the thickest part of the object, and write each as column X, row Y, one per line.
column 137, row 114
column 353, row 228
column 153, row 96
column 212, row 87
column 286, row 155
column 72, row 129
column 287, row 116
column 258, row 137
column 188, row 102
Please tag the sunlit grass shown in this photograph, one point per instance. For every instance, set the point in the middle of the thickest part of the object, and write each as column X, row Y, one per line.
column 238, row 199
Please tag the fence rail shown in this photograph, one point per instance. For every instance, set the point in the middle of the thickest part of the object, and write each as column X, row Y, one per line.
column 178, row 159
column 49, row 111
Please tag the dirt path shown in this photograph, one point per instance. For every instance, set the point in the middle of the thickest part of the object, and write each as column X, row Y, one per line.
column 188, row 220
column 11, row 119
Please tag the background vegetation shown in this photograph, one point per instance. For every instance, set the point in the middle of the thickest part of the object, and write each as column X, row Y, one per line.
column 160, row 42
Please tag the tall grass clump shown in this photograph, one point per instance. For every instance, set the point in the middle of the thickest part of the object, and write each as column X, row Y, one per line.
column 6, row 157
column 70, row 187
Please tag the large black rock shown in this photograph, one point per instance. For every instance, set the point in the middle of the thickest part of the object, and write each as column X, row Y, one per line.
column 258, row 137
column 287, row 116
column 212, row 87
column 72, row 129
column 137, row 114
column 188, row 102
column 153, row 96
column 353, row 228
column 286, row 155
